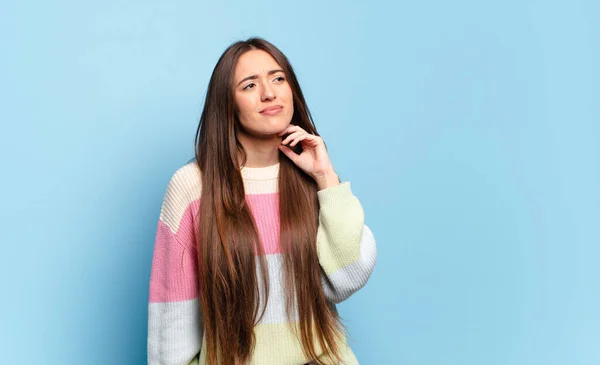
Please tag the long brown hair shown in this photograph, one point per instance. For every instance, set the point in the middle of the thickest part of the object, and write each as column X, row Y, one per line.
column 227, row 239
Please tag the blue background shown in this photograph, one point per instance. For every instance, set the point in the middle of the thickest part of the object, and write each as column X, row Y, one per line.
column 470, row 132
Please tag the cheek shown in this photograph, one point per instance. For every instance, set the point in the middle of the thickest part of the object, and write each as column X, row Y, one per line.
column 245, row 105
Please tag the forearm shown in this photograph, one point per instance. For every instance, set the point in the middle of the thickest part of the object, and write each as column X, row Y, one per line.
column 345, row 246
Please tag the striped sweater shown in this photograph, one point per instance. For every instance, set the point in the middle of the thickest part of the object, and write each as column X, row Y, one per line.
column 345, row 247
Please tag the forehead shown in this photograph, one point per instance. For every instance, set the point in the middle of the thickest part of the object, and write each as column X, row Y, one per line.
column 254, row 62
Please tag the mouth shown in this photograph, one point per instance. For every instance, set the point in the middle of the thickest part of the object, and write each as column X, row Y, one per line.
column 272, row 110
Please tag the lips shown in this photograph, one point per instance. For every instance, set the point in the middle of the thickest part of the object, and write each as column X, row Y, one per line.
column 271, row 109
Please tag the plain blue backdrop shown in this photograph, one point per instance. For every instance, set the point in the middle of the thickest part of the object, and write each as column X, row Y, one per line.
column 470, row 132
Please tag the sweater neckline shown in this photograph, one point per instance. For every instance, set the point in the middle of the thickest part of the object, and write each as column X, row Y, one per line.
column 260, row 173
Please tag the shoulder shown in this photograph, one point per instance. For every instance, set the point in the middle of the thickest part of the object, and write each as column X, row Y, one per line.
column 186, row 180
column 184, row 188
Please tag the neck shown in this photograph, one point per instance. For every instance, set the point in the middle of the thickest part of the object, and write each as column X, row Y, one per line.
column 260, row 152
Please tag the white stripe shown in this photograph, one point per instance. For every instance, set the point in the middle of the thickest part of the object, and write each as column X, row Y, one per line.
column 174, row 332
column 185, row 187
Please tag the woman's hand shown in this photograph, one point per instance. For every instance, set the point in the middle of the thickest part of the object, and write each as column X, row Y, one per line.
column 314, row 159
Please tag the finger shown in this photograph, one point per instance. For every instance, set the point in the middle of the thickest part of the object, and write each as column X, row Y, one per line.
column 290, row 137
column 311, row 139
column 286, row 130
column 289, row 153
column 298, row 139
column 290, row 128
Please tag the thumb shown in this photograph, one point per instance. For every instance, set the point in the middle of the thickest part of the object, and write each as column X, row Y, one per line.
column 289, row 153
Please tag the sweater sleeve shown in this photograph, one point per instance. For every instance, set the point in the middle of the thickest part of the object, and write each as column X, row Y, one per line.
column 174, row 319
column 345, row 245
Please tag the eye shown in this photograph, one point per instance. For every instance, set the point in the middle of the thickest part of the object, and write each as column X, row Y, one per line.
column 247, row 86
column 280, row 78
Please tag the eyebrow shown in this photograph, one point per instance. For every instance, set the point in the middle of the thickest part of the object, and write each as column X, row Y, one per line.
column 254, row 77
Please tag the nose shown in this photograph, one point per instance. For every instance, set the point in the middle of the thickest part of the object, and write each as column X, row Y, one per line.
column 267, row 92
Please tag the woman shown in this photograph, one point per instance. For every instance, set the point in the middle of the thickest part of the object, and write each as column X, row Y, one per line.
column 258, row 238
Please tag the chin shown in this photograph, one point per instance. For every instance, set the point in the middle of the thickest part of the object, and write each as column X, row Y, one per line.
column 267, row 128
column 265, row 133
column 276, row 125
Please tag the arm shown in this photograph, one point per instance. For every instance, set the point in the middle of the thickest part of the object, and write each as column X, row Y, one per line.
column 345, row 245
column 174, row 320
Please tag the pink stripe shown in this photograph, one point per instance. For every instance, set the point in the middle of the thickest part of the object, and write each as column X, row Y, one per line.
column 174, row 268
column 265, row 208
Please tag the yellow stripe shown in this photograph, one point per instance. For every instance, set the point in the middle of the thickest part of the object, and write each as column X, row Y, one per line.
column 277, row 344
column 341, row 220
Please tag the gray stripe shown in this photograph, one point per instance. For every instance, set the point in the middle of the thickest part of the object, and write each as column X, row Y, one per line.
column 174, row 332
column 344, row 282
column 338, row 286
column 275, row 312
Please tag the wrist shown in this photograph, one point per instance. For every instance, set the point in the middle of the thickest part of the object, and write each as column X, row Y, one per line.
column 326, row 179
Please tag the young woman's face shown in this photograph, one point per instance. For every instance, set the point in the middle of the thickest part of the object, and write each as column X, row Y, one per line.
column 262, row 95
